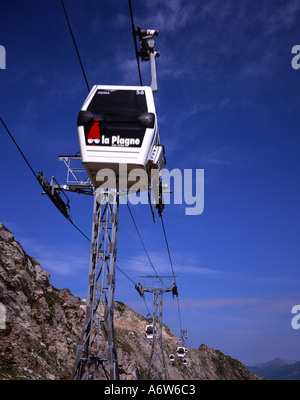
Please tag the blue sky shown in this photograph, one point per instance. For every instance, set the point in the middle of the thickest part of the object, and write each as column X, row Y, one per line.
column 227, row 102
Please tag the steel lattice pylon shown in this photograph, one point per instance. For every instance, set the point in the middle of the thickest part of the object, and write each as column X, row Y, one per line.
column 96, row 355
column 157, row 285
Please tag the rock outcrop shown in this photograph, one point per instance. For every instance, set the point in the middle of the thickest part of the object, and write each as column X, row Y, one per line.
column 42, row 325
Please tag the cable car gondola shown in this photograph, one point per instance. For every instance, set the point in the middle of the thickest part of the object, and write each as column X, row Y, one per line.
column 181, row 351
column 184, row 361
column 171, row 357
column 149, row 331
column 117, row 130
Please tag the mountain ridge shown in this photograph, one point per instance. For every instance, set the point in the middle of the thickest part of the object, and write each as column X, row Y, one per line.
column 277, row 369
column 276, row 362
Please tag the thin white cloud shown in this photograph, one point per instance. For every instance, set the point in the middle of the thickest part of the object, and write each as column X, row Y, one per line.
column 250, row 306
column 54, row 260
column 190, row 265
column 181, row 264
column 169, row 16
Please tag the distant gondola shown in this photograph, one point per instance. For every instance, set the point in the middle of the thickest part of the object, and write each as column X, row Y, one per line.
column 149, row 331
column 181, row 351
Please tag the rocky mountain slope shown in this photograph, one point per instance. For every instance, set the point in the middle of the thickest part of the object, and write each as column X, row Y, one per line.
column 38, row 336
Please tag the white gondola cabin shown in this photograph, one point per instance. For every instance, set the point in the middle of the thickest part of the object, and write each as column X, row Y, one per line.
column 171, row 357
column 149, row 331
column 117, row 130
column 181, row 351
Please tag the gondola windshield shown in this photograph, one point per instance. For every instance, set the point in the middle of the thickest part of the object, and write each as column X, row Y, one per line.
column 117, row 116
column 118, row 102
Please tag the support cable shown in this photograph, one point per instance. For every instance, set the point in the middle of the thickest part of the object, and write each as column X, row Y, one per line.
column 21, row 152
column 76, row 227
column 179, row 314
column 163, row 226
column 146, row 306
column 31, row 169
column 74, row 41
column 132, row 217
column 126, row 275
column 135, row 44
column 165, row 235
column 134, row 285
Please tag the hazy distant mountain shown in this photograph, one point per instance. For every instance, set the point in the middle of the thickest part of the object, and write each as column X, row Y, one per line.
column 278, row 369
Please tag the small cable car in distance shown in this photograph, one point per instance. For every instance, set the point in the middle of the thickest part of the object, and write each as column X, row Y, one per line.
column 184, row 361
column 171, row 357
column 149, row 331
column 181, row 351
column 117, row 130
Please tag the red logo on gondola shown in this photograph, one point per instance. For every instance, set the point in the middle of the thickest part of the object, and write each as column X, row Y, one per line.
column 94, row 134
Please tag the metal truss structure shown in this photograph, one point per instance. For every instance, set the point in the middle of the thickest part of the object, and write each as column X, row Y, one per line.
column 96, row 355
column 77, row 180
column 157, row 285
column 183, row 337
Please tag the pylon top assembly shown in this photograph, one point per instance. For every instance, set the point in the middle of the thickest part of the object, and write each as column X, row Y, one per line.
column 152, row 283
column 147, row 51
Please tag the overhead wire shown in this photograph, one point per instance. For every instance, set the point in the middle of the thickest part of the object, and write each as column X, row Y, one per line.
column 32, row 170
column 138, row 232
column 135, row 286
column 18, row 147
column 125, row 274
column 170, row 258
column 165, row 235
column 76, row 48
column 135, row 44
